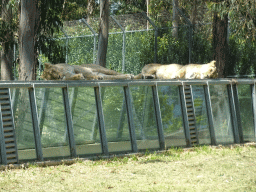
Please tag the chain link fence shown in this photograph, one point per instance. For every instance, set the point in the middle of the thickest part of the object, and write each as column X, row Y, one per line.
column 135, row 40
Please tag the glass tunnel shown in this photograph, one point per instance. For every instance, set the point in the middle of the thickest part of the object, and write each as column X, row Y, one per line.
column 69, row 119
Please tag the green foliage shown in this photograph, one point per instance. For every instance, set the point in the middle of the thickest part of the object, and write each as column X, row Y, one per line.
column 132, row 6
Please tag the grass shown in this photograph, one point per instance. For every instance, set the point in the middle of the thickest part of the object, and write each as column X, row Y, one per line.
column 198, row 169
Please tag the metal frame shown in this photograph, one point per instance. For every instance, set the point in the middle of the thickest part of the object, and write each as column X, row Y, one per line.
column 2, row 140
column 158, row 117
column 233, row 104
column 209, row 114
column 184, row 115
column 36, row 129
column 233, row 113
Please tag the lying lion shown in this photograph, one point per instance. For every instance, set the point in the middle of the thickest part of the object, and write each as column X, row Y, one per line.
column 176, row 71
column 80, row 72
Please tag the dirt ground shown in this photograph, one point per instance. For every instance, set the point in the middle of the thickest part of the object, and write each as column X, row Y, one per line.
column 204, row 168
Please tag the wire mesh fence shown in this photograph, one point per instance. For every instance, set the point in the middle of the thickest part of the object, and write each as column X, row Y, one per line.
column 135, row 40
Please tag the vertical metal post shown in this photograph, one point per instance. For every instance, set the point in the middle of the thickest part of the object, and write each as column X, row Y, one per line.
column 13, row 124
column 253, row 94
column 69, row 123
column 185, row 115
column 158, row 117
column 130, row 118
column 37, row 136
column 103, row 137
column 2, row 140
column 123, row 50
column 41, row 116
column 66, row 58
column 190, row 32
column 156, row 35
column 233, row 113
column 94, row 42
column 238, row 113
column 209, row 113
column 121, row 121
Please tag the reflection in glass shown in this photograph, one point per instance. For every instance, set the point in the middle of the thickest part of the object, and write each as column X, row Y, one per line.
column 115, row 118
column 221, row 114
column 171, row 115
column 85, row 120
column 52, row 122
column 144, row 117
column 245, row 102
column 23, row 124
column 201, row 115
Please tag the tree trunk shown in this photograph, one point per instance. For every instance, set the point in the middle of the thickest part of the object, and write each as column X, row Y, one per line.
column 194, row 13
column 103, row 33
column 7, row 49
column 27, row 40
column 90, row 9
column 220, row 43
column 176, row 18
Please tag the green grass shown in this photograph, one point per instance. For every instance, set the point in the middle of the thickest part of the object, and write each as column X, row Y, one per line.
column 202, row 168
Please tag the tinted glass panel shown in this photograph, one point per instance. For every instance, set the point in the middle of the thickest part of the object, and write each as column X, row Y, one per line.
column 23, row 124
column 144, row 117
column 52, row 122
column 221, row 114
column 201, row 115
column 115, row 117
column 245, row 102
column 85, row 120
column 171, row 115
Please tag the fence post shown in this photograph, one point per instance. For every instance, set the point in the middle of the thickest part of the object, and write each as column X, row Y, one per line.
column 190, row 32
column 156, row 34
column 94, row 42
column 123, row 50
column 66, row 58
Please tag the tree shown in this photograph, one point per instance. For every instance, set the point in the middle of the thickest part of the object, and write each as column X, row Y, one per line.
column 220, row 42
column 27, row 40
column 38, row 22
column 103, row 33
column 176, row 19
column 7, row 38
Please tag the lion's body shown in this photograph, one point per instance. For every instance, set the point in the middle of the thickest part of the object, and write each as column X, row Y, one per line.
column 80, row 72
column 176, row 71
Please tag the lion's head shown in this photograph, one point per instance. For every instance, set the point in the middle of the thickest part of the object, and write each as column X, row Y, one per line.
column 51, row 72
column 210, row 70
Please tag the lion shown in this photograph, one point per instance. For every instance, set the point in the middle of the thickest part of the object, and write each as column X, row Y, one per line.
column 177, row 71
column 64, row 71
column 200, row 71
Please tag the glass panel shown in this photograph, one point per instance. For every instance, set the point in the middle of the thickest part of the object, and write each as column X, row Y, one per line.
column 221, row 114
column 52, row 122
column 115, row 117
column 201, row 115
column 144, row 117
column 245, row 102
column 85, row 121
column 23, row 124
column 171, row 115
